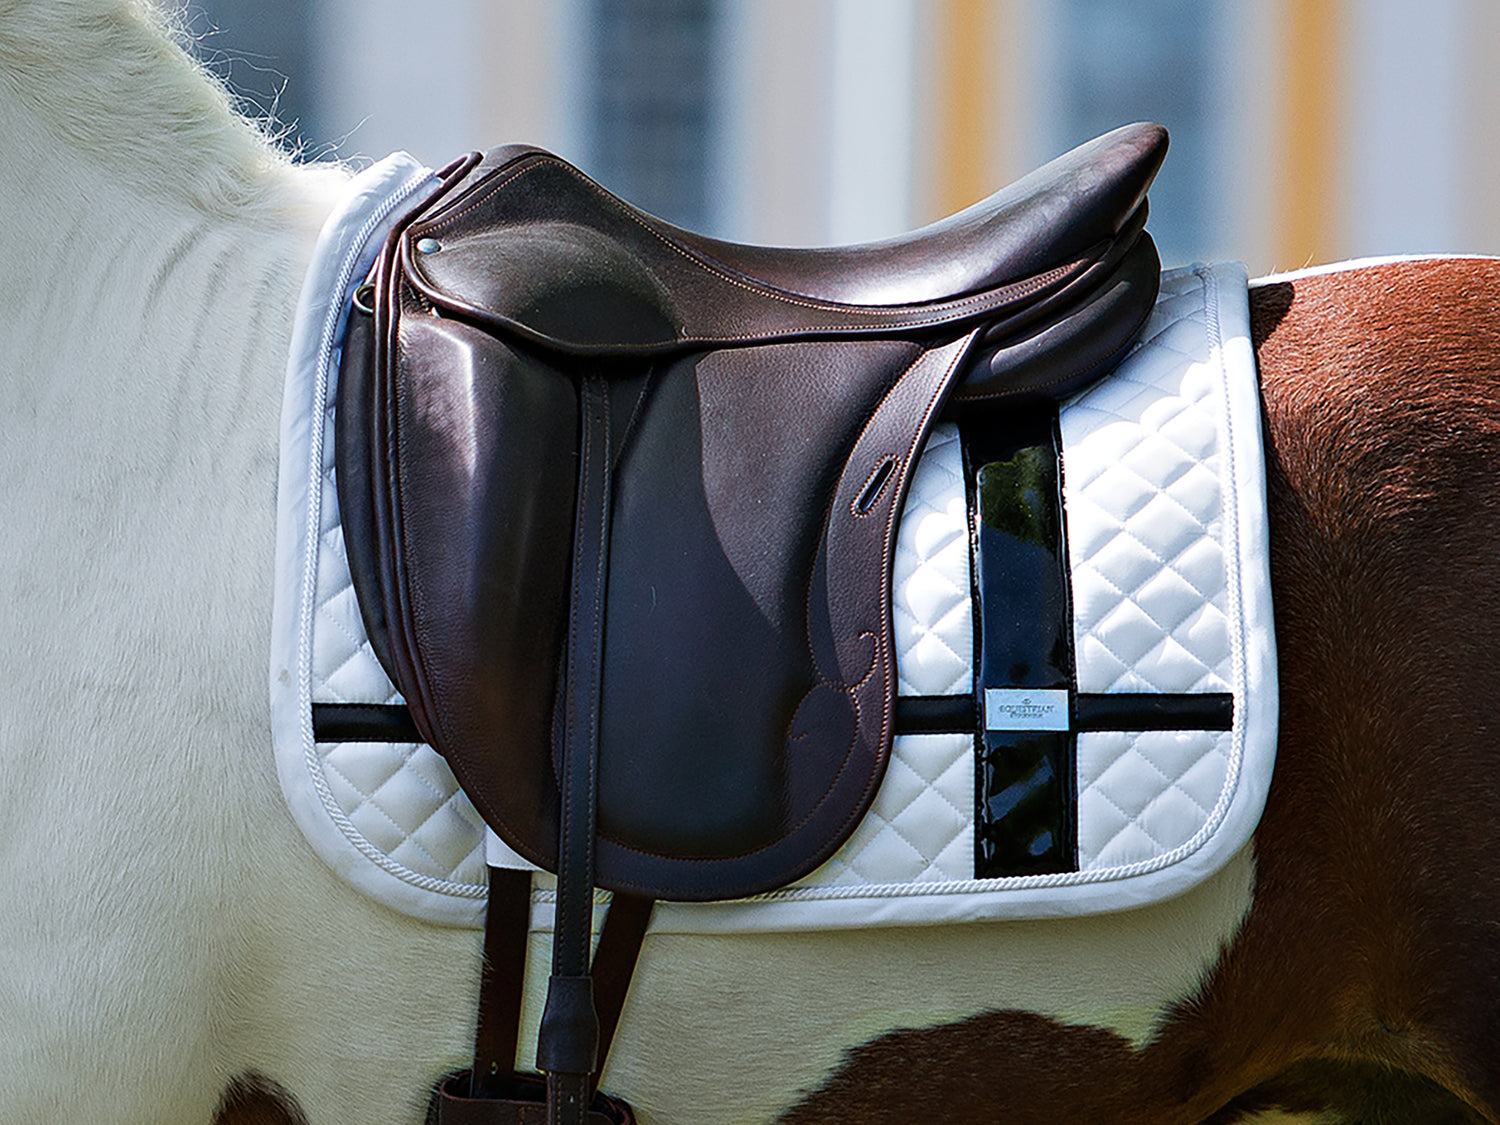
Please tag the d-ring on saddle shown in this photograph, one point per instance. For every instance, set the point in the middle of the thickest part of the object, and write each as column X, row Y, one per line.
column 620, row 504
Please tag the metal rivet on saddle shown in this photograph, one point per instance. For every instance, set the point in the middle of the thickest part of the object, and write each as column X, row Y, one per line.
column 428, row 246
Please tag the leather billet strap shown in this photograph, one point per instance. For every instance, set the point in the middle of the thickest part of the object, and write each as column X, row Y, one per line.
column 502, row 980
column 614, row 964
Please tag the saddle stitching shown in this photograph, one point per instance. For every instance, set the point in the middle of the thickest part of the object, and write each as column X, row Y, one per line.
column 884, row 656
column 883, row 642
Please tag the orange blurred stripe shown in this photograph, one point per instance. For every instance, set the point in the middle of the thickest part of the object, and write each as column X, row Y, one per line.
column 965, row 114
column 1312, row 54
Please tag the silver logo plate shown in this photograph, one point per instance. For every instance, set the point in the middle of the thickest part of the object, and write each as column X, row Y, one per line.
column 1025, row 709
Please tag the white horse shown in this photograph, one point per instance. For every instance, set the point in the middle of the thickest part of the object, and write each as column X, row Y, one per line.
column 171, row 950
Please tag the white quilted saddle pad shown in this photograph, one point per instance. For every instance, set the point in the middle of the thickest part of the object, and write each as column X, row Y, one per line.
column 1166, row 534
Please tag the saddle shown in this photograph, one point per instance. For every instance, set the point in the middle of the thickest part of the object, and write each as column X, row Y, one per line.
column 620, row 504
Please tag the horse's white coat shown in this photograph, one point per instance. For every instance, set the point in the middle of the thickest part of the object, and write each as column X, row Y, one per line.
column 152, row 250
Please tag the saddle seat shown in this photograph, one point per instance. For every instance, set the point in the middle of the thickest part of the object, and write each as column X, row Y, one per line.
column 549, row 254
column 1050, row 217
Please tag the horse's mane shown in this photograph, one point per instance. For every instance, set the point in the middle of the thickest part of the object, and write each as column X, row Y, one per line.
column 110, row 81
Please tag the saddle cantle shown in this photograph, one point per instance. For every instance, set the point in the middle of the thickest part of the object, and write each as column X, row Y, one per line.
column 620, row 500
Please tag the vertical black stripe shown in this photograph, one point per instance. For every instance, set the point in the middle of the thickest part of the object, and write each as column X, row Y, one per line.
column 1025, row 819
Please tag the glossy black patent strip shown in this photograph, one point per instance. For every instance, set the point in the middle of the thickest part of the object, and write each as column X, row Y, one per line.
column 363, row 722
column 1208, row 711
column 1025, row 805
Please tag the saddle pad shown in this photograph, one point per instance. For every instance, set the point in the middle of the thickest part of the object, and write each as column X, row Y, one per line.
column 1165, row 530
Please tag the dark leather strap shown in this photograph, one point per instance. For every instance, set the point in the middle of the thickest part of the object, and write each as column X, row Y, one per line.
column 524, row 1104
column 614, row 964
column 568, row 1040
column 493, row 1093
column 502, row 980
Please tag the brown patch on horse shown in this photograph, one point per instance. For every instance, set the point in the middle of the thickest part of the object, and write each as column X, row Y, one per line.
column 1018, row 1068
column 1350, row 1092
column 1373, row 941
column 254, row 1099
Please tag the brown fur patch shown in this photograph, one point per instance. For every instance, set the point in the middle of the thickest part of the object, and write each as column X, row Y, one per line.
column 1366, row 977
column 254, row 1099
column 1351, row 1094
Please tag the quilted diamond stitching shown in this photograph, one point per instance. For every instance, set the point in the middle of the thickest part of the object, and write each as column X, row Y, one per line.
column 931, row 613
column 1123, row 817
column 919, row 828
column 1130, row 633
column 1150, row 600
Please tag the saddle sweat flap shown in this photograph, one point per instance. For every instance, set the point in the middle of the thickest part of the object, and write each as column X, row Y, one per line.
column 1165, row 530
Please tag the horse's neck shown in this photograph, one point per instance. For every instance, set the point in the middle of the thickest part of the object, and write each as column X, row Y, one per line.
column 142, row 224
column 129, row 298
column 143, row 331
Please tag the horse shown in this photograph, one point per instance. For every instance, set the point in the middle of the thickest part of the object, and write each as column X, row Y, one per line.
column 176, row 953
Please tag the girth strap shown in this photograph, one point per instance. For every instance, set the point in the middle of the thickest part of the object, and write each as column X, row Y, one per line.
column 614, row 964
column 568, row 1040
column 502, row 981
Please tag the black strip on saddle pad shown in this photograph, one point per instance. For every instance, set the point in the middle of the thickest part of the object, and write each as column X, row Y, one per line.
column 620, row 501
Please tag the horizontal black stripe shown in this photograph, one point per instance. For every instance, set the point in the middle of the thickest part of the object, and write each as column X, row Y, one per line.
column 915, row 714
column 363, row 722
column 1206, row 711
column 935, row 714
column 955, row 714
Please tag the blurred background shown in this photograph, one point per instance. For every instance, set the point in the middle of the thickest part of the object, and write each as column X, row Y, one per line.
column 1303, row 131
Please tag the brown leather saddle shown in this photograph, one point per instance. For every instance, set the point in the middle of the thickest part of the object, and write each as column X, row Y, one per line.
column 620, row 503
